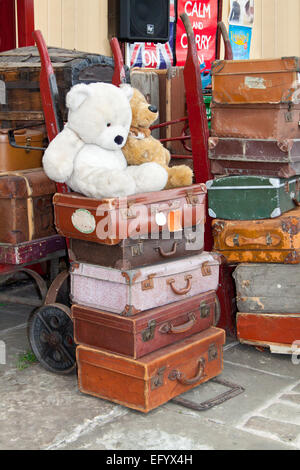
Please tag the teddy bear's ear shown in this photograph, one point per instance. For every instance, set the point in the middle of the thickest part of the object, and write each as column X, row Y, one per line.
column 77, row 95
column 128, row 90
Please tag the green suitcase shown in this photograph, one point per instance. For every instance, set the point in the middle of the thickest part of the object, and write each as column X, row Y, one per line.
column 251, row 197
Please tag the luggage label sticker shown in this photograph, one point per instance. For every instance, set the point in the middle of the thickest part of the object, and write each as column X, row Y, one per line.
column 83, row 221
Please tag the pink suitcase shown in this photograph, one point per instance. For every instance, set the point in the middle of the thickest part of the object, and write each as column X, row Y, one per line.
column 128, row 292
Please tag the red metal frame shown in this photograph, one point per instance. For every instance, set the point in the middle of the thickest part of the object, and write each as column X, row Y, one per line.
column 25, row 13
column 7, row 25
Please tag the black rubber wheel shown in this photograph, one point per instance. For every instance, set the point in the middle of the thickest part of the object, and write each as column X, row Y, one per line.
column 50, row 333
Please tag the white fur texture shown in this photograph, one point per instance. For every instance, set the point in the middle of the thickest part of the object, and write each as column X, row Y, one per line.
column 87, row 153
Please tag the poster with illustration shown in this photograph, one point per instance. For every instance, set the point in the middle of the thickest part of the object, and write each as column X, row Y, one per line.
column 241, row 18
column 203, row 16
column 241, row 12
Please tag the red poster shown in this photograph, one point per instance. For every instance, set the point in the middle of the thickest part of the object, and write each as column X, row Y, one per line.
column 203, row 16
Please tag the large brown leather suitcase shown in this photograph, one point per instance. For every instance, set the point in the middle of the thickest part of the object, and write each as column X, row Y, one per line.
column 255, row 80
column 20, row 99
column 12, row 158
column 254, row 157
column 256, row 121
column 26, row 211
column 279, row 332
column 143, row 215
column 131, row 253
column 154, row 379
column 259, row 241
column 146, row 332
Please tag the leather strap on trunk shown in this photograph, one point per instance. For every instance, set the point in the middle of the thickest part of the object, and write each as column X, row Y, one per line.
column 30, row 211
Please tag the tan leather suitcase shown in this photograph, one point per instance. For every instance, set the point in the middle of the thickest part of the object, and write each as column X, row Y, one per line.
column 142, row 215
column 274, row 240
column 154, row 379
column 255, row 80
column 26, row 211
column 146, row 332
column 12, row 158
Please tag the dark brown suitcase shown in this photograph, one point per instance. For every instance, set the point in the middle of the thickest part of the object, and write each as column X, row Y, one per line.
column 26, row 211
column 156, row 378
column 256, row 157
column 20, row 100
column 131, row 253
column 146, row 332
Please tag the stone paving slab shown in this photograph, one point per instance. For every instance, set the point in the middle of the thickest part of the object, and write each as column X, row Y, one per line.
column 286, row 432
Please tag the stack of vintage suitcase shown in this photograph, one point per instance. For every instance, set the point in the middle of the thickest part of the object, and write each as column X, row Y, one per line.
column 143, row 294
column 254, row 151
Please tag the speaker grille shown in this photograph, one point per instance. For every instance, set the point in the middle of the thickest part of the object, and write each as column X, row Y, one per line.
column 146, row 20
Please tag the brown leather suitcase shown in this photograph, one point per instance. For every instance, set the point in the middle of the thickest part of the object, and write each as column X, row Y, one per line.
column 255, row 80
column 20, row 99
column 26, row 211
column 277, row 331
column 131, row 253
column 12, row 158
column 109, row 221
column 259, row 241
column 154, row 379
column 146, row 332
column 256, row 121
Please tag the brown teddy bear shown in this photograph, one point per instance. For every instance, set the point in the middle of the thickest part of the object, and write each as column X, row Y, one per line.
column 141, row 147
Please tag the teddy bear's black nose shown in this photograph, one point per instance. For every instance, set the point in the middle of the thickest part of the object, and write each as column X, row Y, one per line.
column 152, row 108
column 119, row 139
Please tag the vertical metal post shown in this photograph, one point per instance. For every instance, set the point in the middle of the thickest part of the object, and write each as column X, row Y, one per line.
column 25, row 14
column 7, row 25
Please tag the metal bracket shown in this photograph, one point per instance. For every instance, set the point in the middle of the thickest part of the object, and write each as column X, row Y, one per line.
column 148, row 333
column 158, row 379
column 218, row 400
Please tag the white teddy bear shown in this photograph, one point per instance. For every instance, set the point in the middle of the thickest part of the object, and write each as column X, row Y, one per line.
column 87, row 154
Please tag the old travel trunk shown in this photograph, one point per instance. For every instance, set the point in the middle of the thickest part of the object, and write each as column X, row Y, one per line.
column 26, row 252
column 156, row 378
column 259, row 157
column 267, row 288
column 20, row 99
column 269, row 329
column 26, row 210
column 131, row 252
column 255, row 81
column 251, row 197
column 12, row 158
column 143, row 215
column 128, row 292
column 259, row 241
column 146, row 332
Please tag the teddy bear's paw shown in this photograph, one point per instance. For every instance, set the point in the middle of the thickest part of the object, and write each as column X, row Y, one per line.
column 148, row 177
column 113, row 184
column 180, row 175
column 57, row 169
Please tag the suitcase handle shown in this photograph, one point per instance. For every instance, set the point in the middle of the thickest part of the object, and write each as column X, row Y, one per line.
column 165, row 254
column 265, row 240
column 183, row 291
column 296, row 202
column 12, row 142
column 169, row 328
column 181, row 377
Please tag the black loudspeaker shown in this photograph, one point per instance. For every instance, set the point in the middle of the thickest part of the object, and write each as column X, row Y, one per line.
column 144, row 20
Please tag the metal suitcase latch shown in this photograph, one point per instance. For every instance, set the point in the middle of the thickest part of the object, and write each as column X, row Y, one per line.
column 158, row 379
column 137, row 250
column 206, row 269
column 192, row 199
column 204, row 310
column 148, row 283
column 148, row 333
column 212, row 353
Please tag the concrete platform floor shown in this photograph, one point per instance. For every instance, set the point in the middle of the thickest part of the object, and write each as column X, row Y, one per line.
column 41, row 410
